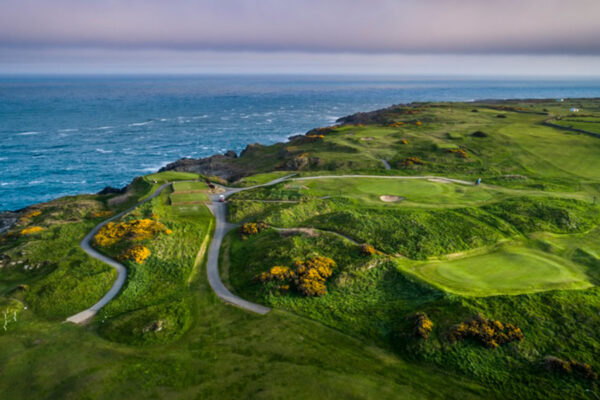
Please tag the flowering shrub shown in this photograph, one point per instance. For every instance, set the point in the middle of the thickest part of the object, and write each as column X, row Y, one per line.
column 25, row 218
column 31, row 230
column 311, row 274
column 396, row 124
column 102, row 214
column 138, row 229
column 488, row 332
column 137, row 253
column 276, row 273
column 404, row 141
column 407, row 162
column 423, row 325
column 32, row 214
column 555, row 364
column 462, row 153
column 418, row 123
column 367, row 249
column 252, row 228
column 308, row 277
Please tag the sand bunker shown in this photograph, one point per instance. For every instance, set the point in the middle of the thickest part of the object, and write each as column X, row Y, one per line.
column 391, row 199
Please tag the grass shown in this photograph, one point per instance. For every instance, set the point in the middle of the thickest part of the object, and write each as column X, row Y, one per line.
column 510, row 270
column 524, row 239
column 170, row 176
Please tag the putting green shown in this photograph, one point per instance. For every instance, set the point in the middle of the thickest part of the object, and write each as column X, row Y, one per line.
column 413, row 190
column 506, row 271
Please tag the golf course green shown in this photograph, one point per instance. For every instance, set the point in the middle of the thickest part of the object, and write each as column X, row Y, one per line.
column 510, row 270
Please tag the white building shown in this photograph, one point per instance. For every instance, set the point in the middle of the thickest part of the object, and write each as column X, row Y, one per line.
column 574, row 109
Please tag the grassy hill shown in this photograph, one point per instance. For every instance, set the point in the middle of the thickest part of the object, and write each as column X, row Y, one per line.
column 406, row 282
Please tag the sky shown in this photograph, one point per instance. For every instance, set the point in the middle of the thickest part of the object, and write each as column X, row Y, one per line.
column 428, row 37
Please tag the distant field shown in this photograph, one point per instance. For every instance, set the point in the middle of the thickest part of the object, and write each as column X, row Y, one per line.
column 590, row 124
column 506, row 271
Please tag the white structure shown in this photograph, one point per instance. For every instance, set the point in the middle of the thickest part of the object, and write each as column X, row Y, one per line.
column 574, row 109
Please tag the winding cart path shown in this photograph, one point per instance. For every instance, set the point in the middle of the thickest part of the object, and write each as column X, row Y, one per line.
column 222, row 227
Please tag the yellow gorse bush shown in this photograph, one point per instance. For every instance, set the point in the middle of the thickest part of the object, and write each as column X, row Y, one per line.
column 138, row 229
column 137, row 253
column 423, row 325
column 102, row 214
column 308, row 277
column 31, row 230
column 488, row 332
column 252, row 228
column 25, row 218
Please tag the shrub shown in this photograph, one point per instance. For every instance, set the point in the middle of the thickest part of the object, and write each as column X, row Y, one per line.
column 31, row 230
column 137, row 253
column 479, row 134
column 404, row 141
column 418, row 123
column 407, row 162
column 423, row 325
column 367, row 249
column 486, row 331
column 252, row 228
column 276, row 273
column 461, row 152
column 396, row 124
column 139, row 229
column 556, row 364
column 309, row 276
column 102, row 214
column 500, row 116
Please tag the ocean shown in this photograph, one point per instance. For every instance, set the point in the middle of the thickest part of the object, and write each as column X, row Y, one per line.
column 69, row 135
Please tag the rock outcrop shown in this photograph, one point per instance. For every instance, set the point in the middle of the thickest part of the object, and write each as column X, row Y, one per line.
column 7, row 220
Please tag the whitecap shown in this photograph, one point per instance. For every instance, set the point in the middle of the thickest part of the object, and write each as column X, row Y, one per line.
column 99, row 150
column 162, row 119
column 68, row 130
column 28, row 133
column 331, row 118
column 200, row 116
column 153, row 168
column 36, row 182
column 269, row 120
column 102, row 128
column 140, row 123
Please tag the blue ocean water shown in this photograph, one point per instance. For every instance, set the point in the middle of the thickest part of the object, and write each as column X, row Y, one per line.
column 67, row 135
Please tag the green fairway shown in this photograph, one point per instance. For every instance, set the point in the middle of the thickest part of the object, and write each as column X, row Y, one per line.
column 189, row 186
column 413, row 190
column 506, row 271
column 189, row 193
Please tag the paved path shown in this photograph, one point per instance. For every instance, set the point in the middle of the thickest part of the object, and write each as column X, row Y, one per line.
column 386, row 164
column 86, row 315
column 222, row 227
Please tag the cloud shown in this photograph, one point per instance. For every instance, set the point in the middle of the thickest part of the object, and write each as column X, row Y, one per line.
column 328, row 26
